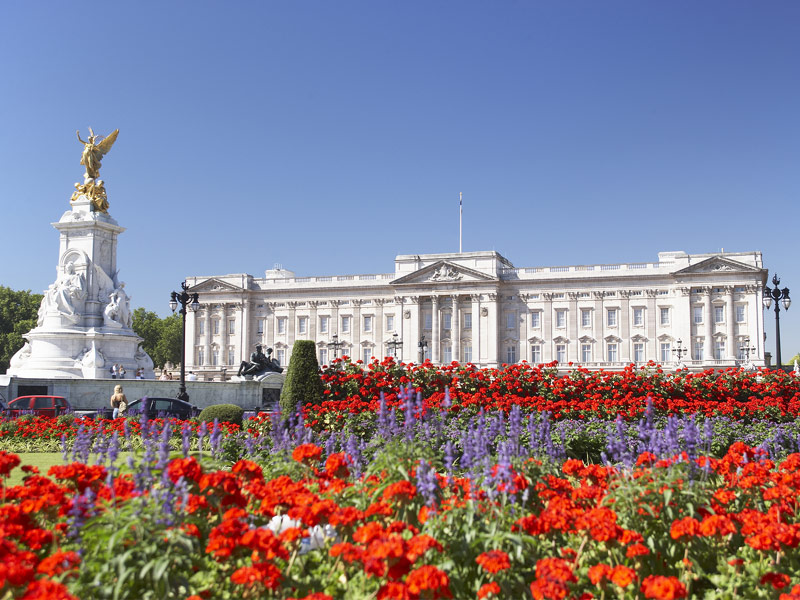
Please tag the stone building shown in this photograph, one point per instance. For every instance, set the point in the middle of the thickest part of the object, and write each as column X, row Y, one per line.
column 478, row 307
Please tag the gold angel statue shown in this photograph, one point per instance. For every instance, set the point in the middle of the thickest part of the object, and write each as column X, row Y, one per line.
column 94, row 150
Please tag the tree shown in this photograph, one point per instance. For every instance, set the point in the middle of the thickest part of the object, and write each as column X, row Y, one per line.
column 303, row 383
column 796, row 357
column 162, row 337
column 18, row 314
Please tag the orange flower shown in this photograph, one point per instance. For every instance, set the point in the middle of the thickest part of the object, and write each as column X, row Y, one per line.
column 494, row 561
column 637, row 550
column 400, row 489
column 622, row 575
column 599, row 572
column 659, row 587
column 429, row 578
column 307, row 454
column 489, row 588
column 686, row 527
column 776, row 580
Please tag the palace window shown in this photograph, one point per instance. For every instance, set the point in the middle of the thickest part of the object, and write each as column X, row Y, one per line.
column 536, row 354
column 740, row 313
column 231, row 326
column 612, row 351
column 201, row 328
column 323, row 356
column 366, row 355
column 511, row 320
column 586, row 353
column 345, row 324
column 468, row 320
column 231, row 355
column 638, row 352
column 447, row 355
column 664, row 319
column 719, row 349
column 561, row 318
column 281, row 324
column 666, row 352
column 561, row 353
column 638, row 317
column 586, row 317
column 466, row 352
column 697, row 314
column 447, row 321
column 214, row 357
column 367, row 323
column 511, row 354
column 201, row 356
column 612, row 317
column 698, row 350
column 302, row 325
column 280, row 356
column 719, row 314
column 389, row 322
column 216, row 326
column 428, row 321
column 260, row 326
column 323, row 324
column 536, row 320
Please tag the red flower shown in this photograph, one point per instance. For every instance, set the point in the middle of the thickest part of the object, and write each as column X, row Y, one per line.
column 489, row 588
column 402, row 490
column 494, row 561
column 307, row 453
column 776, row 580
column 659, row 587
column 431, row 580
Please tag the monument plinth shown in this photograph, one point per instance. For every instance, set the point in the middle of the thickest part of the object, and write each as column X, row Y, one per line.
column 84, row 321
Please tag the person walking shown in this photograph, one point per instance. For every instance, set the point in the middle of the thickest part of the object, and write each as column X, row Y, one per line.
column 118, row 402
column 122, row 372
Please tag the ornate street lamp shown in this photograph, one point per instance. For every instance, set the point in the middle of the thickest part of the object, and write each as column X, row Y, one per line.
column 394, row 345
column 422, row 343
column 679, row 350
column 183, row 298
column 335, row 345
column 777, row 294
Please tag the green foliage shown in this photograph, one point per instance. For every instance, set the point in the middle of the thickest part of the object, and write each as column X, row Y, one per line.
column 303, row 382
column 18, row 313
column 796, row 357
column 223, row 413
column 162, row 337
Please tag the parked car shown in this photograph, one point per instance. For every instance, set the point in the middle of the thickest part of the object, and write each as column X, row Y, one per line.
column 45, row 406
column 163, row 407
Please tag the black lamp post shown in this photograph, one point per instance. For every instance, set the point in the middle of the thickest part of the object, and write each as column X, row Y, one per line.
column 777, row 294
column 183, row 298
column 747, row 349
column 394, row 345
column 335, row 345
column 679, row 350
column 422, row 345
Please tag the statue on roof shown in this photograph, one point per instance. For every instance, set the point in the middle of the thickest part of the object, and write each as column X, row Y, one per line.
column 94, row 150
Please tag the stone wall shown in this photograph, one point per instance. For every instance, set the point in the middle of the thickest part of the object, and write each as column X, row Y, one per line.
column 95, row 393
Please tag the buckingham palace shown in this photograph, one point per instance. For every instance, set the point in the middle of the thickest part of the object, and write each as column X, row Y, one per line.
column 477, row 307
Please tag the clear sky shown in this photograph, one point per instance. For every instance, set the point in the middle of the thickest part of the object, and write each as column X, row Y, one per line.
column 331, row 136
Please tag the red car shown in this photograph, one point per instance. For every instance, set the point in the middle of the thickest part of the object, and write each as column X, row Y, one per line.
column 45, row 406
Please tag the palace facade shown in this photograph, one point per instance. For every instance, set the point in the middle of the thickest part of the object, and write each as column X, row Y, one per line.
column 478, row 307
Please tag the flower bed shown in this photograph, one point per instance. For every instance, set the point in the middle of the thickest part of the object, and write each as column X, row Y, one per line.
column 308, row 528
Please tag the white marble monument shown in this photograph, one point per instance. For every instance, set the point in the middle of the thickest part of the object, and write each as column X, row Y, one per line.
column 84, row 323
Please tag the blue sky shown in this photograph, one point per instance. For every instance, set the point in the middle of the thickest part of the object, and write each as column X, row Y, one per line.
column 331, row 136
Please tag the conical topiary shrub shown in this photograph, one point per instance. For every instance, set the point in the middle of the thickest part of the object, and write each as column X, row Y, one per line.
column 303, row 383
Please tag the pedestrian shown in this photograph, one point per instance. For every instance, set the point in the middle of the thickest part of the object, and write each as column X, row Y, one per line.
column 118, row 402
column 113, row 371
column 164, row 375
column 122, row 372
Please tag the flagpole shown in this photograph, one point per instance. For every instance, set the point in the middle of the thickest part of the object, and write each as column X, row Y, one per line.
column 459, row 222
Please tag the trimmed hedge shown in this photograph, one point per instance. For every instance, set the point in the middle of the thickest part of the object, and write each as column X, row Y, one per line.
column 303, row 383
column 229, row 413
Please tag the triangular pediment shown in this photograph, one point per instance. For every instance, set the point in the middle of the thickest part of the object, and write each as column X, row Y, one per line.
column 215, row 285
column 443, row 271
column 718, row 264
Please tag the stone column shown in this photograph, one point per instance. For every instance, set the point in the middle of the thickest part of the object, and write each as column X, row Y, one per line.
column 209, row 333
column 223, row 335
column 653, row 319
column 492, row 338
column 381, row 351
column 270, row 326
column 455, row 324
column 625, row 327
column 312, row 321
column 244, row 350
column 599, row 351
column 547, row 328
column 435, row 333
column 731, row 346
column 525, row 331
column 476, row 330
column 411, row 328
column 682, row 326
column 191, row 338
column 573, row 328
column 708, row 326
column 291, row 329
